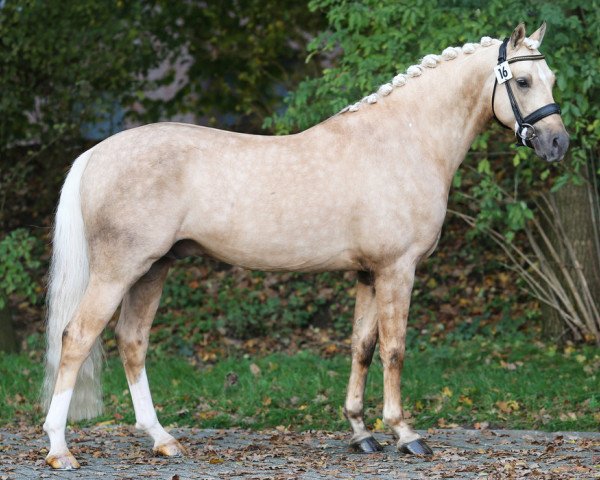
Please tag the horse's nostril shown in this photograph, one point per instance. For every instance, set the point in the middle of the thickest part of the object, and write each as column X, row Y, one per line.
column 558, row 146
column 555, row 142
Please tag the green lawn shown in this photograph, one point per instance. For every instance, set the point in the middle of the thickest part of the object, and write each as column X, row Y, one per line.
column 519, row 385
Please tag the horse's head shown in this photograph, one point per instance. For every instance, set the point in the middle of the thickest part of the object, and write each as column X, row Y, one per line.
column 523, row 95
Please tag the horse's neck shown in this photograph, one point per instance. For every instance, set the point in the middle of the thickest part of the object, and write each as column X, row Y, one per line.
column 440, row 112
column 454, row 102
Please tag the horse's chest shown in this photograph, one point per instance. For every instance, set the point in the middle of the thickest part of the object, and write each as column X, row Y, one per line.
column 406, row 225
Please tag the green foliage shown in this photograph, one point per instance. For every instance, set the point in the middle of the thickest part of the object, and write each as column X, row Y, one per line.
column 201, row 297
column 241, row 57
column 463, row 383
column 17, row 263
column 65, row 63
column 68, row 68
column 64, row 66
column 372, row 40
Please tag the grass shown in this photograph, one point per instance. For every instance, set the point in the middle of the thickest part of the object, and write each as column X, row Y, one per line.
column 520, row 384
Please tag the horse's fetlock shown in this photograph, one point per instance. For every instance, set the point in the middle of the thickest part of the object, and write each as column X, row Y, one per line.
column 392, row 416
column 353, row 413
column 141, row 426
column 51, row 427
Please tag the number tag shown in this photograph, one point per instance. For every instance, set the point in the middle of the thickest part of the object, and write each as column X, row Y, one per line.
column 503, row 73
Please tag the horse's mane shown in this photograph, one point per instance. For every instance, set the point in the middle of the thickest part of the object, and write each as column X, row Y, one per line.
column 428, row 61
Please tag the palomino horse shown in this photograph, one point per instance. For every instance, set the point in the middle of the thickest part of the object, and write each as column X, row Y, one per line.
column 366, row 190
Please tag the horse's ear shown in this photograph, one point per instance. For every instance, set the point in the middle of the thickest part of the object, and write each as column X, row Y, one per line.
column 517, row 36
column 538, row 35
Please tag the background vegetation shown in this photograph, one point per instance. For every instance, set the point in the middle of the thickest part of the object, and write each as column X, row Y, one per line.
column 72, row 73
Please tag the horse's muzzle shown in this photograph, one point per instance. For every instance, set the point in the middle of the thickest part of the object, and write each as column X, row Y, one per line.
column 552, row 145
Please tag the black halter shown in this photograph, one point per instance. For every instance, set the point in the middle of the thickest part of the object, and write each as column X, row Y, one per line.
column 525, row 130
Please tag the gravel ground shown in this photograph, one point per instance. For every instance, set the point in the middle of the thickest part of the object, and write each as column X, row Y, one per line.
column 119, row 452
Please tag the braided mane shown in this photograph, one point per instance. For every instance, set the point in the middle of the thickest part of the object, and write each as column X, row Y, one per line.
column 428, row 61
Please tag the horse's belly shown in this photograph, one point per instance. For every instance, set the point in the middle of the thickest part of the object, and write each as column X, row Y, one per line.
column 279, row 254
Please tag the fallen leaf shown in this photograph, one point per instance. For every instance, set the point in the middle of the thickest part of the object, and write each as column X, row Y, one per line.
column 207, row 415
column 508, row 407
column 507, row 366
column 567, row 416
column 106, row 422
column 443, row 424
column 446, row 392
column 379, row 426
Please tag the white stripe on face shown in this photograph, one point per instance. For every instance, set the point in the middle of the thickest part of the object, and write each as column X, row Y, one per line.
column 544, row 77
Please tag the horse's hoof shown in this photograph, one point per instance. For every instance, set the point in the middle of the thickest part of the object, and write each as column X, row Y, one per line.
column 65, row 461
column 170, row 449
column 367, row 445
column 416, row 447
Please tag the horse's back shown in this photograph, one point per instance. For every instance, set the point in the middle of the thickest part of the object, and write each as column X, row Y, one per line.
column 259, row 201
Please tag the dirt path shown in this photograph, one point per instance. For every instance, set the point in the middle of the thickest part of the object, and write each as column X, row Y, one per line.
column 121, row 453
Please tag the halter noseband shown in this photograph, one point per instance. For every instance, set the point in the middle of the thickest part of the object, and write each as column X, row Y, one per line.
column 525, row 130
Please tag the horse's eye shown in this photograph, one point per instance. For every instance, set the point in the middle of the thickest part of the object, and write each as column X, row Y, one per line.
column 523, row 83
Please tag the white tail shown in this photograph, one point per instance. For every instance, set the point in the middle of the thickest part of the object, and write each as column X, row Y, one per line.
column 69, row 274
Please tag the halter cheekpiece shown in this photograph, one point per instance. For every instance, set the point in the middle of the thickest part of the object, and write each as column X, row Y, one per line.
column 525, row 130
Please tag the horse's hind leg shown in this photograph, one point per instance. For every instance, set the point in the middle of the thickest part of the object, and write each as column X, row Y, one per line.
column 133, row 330
column 97, row 306
column 364, row 339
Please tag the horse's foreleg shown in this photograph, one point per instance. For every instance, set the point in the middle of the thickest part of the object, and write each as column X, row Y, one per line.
column 394, row 286
column 132, row 332
column 364, row 339
column 95, row 310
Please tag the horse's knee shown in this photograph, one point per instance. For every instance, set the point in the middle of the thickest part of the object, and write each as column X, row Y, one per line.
column 364, row 351
column 393, row 357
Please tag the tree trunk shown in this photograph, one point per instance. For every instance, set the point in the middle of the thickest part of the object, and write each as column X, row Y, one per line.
column 8, row 338
column 577, row 209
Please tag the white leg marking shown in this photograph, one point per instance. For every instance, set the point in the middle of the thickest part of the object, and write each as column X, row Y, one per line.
column 360, row 430
column 145, row 415
column 56, row 421
column 405, row 433
column 402, row 431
